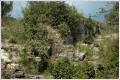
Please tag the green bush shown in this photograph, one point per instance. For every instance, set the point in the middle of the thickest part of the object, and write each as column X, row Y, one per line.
column 62, row 69
column 88, row 39
column 12, row 39
column 85, row 72
column 37, row 38
column 90, row 30
column 113, row 17
column 63, row 29
column 35, row 47
column 89, row 70
column 30, row 65
column 56, row 14
column 79, row 73
column 86, row 49
column 24, row 61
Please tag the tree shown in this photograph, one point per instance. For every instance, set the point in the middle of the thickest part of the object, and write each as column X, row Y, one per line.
column 51, row 13
column 58, row 15
column 113, row 16
column 6, row 7
column 111, row 13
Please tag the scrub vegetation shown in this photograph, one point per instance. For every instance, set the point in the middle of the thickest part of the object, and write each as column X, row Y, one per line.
column 58, row 41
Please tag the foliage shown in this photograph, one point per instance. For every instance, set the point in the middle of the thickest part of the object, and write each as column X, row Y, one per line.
column 28, row 64
column 92, row 28
column 6, row 7
column 35, row 47
column 55, row 14
column 89, row 70
column 85, row 72
column 62, row 69
column 63, row 29
column 109, row 58
column 13, row 31
column 88, row 39
column 113, row 17
column 86, row 49
column 40, row 14
column 33, row 31
column 24, row 61
column 90, row 24
column 79, row 73
column 52, row 13
column 12, row 40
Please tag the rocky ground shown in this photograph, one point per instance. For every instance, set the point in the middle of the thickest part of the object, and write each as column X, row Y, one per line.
column 12, row 69
column 10, row 63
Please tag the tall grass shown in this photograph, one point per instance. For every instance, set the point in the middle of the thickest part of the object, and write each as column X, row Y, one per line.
column 13, row 31
column 109, row 58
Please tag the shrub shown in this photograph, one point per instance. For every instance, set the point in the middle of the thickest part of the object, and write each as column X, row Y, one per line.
column 110, row 59
column 62, row 69
column 35, row 47
column 57, row 14
column 113, row 17
column 63, row 29
column 37, row 38
column 91, row 30
column 86, row 49
column 84, row 72
column 88, row 39
column 89, row 70
column 29, row 65
column 12, row 39
column 79, row 73
column 24, row 61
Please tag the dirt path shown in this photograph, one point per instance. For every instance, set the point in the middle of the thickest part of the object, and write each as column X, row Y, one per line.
column 110, row 36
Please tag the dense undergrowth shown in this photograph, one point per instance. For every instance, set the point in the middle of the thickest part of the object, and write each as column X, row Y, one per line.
column 62, row 68
column 33, row 32
column 109, row 59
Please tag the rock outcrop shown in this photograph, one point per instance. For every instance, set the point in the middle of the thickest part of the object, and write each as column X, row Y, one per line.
column 9, row 68
column 80, row 56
